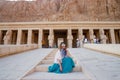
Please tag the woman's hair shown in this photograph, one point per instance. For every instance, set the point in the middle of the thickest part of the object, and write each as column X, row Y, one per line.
column 62, row 44
column 64, row 51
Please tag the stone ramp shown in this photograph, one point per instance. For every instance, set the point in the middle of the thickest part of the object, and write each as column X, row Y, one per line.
column 96, row 65
column 110, row 49
column 14, row 67
column 44, row 68
column 40, row 72
column 54, row 76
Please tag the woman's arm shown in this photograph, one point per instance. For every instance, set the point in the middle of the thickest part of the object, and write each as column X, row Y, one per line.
column 67, row 53
column 59, row 61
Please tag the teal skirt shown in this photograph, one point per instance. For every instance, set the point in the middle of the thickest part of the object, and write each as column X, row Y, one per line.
column 67, row 66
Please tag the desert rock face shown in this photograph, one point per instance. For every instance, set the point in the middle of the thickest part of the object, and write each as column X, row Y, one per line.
column 60, row 10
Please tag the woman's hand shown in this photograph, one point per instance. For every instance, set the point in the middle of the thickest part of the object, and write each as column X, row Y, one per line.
column 60, row 64
column 61, row 68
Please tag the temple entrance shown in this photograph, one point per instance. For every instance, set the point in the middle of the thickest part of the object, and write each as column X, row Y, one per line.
column 59, row 41
column 59, row 34
column 24, row 36
column 86, row 34
column 35, row 37
column 96, row 33
column 75, row 36
column 14, row 37
column 117, row 36
column 3, row 33
column 45, row 42
column 107, row 33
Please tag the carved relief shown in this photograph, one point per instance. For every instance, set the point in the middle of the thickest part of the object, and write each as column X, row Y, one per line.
column 60, row 10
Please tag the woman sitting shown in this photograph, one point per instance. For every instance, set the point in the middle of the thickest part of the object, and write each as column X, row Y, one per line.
column 62, row 62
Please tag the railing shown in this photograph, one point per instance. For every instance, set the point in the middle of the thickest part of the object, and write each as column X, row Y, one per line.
column 106, row 48
column 13, row 49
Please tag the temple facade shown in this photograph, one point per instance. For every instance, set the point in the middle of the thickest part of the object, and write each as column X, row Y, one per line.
column 50, row 34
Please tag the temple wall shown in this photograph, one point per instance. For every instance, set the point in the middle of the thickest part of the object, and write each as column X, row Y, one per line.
column 26, row 33
column 13, row 49
column 107, row 48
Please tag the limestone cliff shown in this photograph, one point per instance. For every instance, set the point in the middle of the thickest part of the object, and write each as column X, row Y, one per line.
column 60, row 10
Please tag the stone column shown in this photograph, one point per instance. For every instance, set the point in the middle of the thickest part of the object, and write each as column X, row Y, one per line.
column 13, row 38
column 40, row 38
column 69, row 38
column 119, row 32
column 92, row 36
column 19, row 36
column 81, row 37
column 112, row 34
column 51, row 38
column 29, row 39
column 103, row 37
column 0, row 36
column 7, row 37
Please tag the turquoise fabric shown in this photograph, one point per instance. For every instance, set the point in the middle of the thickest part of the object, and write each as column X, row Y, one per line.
column 67, row 66
column 54, row 68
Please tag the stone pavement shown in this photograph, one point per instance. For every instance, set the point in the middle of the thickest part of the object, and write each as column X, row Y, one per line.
column 15, row 66
column 96, row 65
column 40, row 71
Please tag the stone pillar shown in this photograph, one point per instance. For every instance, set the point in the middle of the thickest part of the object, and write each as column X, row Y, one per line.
column 92, row 36
column 51, row 38
column 40, row 38
column 13, row 38
column 119, row 32
column 0, row 36
column 80, row 37
column 103, row 37
column 19, row 36
column 29, row 39
column 7, row 37
column 112, row 34
column 69, row 38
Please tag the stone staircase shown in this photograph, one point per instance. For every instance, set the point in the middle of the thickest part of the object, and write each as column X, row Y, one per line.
column 40, row 72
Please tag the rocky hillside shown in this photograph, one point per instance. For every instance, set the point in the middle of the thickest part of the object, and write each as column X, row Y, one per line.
column 60, row 10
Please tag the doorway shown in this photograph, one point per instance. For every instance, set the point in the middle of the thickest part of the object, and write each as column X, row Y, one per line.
column 45, row 42
column 60, row 35
column 75, row 36
column 117, row 36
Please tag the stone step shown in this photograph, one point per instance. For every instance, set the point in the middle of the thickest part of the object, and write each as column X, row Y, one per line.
column 52, row 55
column 54, row 76
column 49, row 58
column 51, row 61
column 44, row 68
column 47, row 62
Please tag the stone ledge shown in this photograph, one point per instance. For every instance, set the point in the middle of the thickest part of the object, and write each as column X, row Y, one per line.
column 62, row 23
column 113, row 49
column 6, row 50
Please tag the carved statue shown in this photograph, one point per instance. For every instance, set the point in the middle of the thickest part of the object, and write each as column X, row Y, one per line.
column 81, row 38
column 7, row 37
column 92, row 36
column 51, row 40
column 70, row 37
column 104, row 39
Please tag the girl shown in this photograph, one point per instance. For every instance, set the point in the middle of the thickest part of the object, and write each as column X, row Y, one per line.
column 62, row 62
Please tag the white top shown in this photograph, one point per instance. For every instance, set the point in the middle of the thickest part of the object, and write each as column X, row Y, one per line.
column 85, row 40
column 57, row 56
